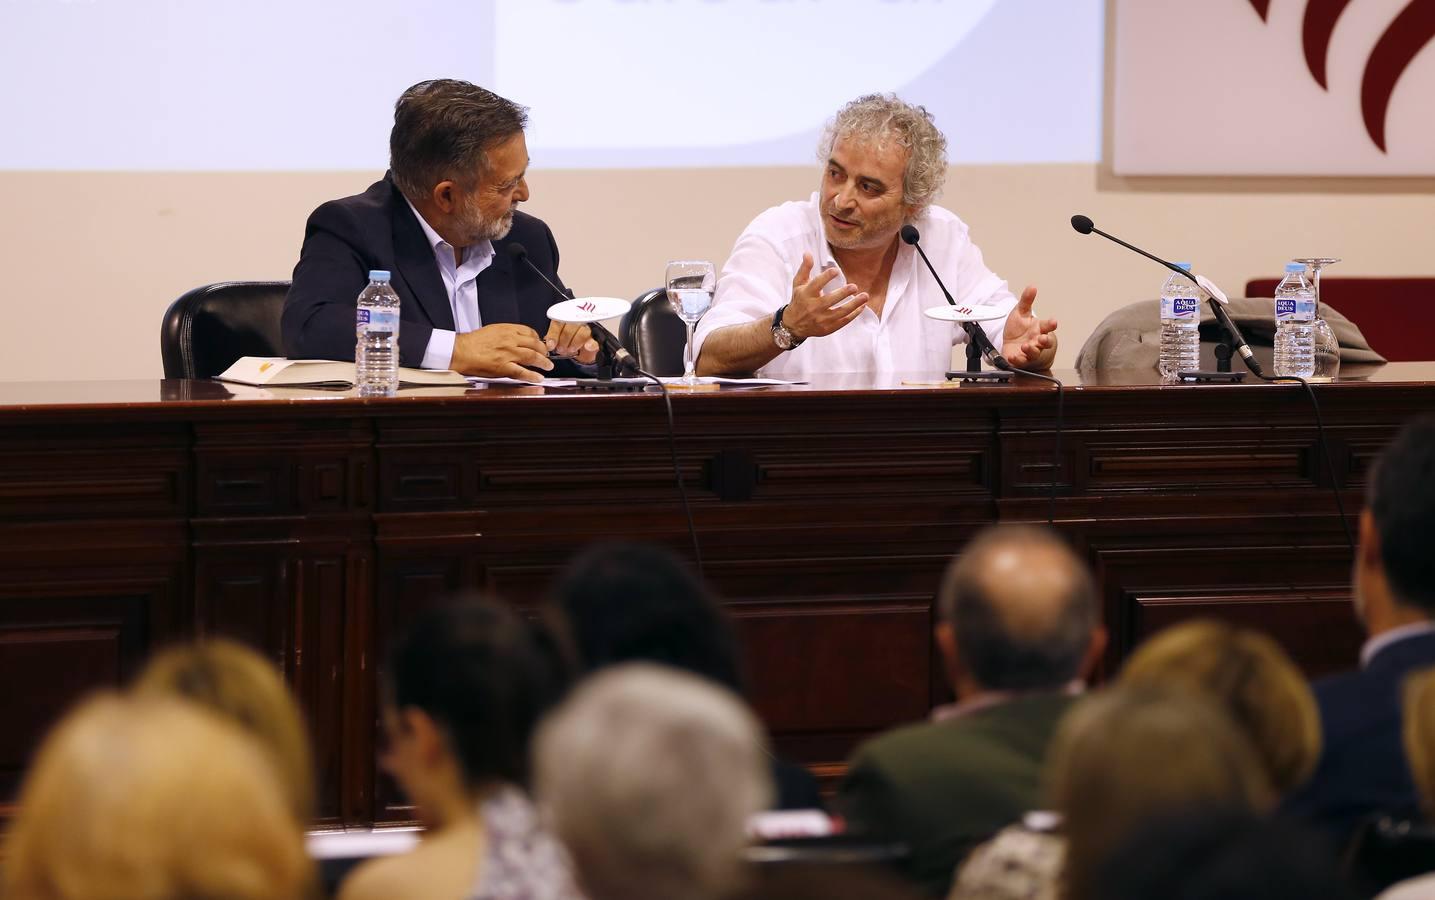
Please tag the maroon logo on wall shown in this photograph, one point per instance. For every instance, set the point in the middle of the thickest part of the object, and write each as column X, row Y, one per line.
column 1393, row 53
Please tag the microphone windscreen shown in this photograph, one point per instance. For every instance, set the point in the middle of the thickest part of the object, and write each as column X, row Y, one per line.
column 910, row 234
column 1082, row 224
column 517, row 251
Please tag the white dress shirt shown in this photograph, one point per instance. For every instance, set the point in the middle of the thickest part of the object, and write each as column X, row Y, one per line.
column 461, row 282
column 757, row 279
column 1374, row 645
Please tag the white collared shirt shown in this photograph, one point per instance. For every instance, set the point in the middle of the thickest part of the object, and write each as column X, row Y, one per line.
column 461, row 282
column 1381, row 641
column 757, row 279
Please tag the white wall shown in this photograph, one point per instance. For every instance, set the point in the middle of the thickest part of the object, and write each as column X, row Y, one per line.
column 93, row 259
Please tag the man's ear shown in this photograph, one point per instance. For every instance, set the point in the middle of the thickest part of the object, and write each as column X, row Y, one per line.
column 946, row 637
column 428, row 738
column 445, row 196
column 1368, row 551
column 1095, row 650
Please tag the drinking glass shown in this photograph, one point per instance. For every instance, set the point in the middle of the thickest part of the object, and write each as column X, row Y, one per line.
column 690, row 284
column 1327, row 348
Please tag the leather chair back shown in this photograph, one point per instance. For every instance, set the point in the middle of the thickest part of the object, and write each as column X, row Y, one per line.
column 207, row 329
column 652, row 332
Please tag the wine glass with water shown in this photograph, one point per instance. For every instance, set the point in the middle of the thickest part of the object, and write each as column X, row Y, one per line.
column 690, row 284
column 1327, row 348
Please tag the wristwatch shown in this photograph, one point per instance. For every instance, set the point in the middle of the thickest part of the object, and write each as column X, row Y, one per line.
column 781, row 336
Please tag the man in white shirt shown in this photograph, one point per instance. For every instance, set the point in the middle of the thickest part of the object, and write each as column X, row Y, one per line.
column 863, row 309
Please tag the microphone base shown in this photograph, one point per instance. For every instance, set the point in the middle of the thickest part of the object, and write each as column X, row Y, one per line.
column 612, row 385
column 980, row 376
column 1226, row 377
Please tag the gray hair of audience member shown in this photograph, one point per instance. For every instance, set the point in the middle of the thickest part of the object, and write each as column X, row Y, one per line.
column 650, row 775
column 884, row 118
column 1022, row 606
column 443, row 130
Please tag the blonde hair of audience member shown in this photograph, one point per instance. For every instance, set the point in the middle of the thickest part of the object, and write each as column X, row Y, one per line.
column 1419, row 735
column 1133, row 754
column 234, row 681
column 650, row 775
column 152, row 799
column 1252, row 678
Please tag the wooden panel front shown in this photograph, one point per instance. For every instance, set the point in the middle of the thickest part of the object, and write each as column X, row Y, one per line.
column 316, row 530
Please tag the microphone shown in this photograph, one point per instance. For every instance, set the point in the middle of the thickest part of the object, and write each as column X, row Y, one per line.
column 975, row 334
column 623, row 361
column 1084, row 225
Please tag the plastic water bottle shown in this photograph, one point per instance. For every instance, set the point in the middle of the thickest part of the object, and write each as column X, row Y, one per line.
column 1295, row 317
column 376, row 355
column 1180, row 326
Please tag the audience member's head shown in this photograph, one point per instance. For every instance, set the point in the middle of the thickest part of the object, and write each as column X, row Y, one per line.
column 650, row 775
column 237, row 683
column 1252, row 678
column 1395, row 570
column 640, row 603
column 464, row 689
column 1018, row 612
column 1419, row 735
column 152, row 798
column 1222, row 855
column 1128, row 756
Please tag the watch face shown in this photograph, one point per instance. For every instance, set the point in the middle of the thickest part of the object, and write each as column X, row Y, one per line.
column 782, row 337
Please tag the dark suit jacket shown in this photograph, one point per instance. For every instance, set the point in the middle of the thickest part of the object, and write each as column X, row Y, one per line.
column 943, row 787
column 346, row 238
column 1362, row 767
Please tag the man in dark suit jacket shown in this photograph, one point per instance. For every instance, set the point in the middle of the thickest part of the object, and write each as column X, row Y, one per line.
column 1363, row 769
column 440, row 222
column 1018, row 627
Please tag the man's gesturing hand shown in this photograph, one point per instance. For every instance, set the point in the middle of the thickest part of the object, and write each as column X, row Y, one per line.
column 810, row 313
column 499, row 351
column 1028, row 342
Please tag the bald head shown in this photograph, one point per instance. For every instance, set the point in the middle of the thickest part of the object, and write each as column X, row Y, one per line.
column 1022, row 608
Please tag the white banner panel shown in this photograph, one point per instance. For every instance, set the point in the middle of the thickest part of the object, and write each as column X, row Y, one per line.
column 1274, row 87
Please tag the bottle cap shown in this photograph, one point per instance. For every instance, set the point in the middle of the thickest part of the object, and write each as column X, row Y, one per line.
column 378, row 274
column 1294, row 267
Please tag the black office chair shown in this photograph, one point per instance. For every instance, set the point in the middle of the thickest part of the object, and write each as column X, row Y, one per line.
column 207, row 329
column 652, row 332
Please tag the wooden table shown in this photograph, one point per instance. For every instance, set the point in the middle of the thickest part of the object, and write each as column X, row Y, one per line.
column 315, row 525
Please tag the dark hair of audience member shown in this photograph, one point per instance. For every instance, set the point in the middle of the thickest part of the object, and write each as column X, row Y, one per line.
column 1130, row 755
column 1222, row 855
column 234, row 681
column 636, row 602
column 443, row 130
column 1401, row 497
column 997, row 656
column 1251, row 678
column 485, row 676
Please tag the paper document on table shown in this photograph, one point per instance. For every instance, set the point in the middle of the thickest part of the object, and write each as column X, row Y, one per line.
column 518, row 382
column 722, row 379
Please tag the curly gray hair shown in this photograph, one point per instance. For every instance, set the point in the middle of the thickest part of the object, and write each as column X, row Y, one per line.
column 883, row 118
